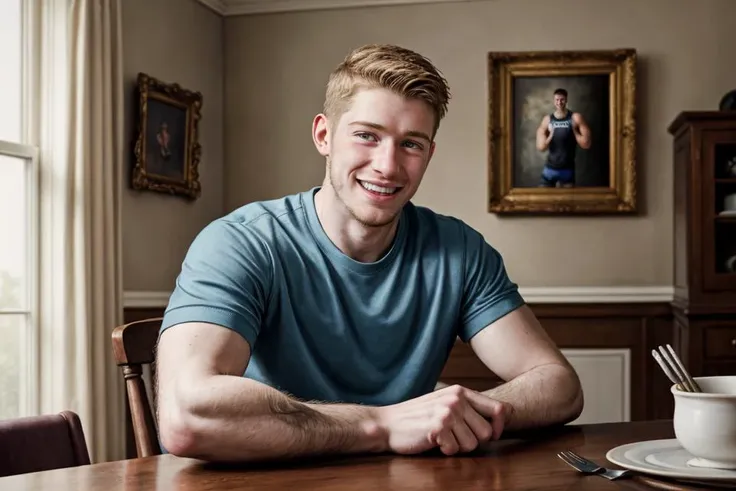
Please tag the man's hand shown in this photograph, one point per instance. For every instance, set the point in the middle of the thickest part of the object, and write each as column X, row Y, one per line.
column 454, row 418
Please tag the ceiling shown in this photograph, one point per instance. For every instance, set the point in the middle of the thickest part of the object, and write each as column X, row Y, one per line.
column 247, row 7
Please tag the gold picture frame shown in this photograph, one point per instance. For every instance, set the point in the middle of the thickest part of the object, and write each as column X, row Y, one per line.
column 601, row 87
column 167, row 150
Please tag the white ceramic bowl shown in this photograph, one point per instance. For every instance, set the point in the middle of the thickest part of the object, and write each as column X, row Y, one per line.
column 705, row 423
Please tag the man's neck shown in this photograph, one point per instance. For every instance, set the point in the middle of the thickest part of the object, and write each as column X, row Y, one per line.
column 560, row 113
column 359, row 242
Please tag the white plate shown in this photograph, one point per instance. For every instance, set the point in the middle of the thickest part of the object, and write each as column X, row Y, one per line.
column 666, row 458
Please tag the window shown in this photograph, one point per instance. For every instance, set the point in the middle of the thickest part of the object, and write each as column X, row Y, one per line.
column 18, row 223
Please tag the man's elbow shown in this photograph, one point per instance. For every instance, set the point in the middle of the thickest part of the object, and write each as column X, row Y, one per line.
column 575, row 400
column 178, row 433
column 181, row 426
column 577, row 406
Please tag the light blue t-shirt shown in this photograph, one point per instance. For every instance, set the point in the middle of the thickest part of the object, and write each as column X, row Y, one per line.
column 322, row 326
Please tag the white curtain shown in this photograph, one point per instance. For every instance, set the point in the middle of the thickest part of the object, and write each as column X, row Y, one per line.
column 79, row 126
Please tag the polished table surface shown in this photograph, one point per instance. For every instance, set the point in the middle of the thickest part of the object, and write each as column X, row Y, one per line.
column 522, row 461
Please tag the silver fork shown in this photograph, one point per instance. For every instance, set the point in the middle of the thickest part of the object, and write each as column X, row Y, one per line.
column 589, row 467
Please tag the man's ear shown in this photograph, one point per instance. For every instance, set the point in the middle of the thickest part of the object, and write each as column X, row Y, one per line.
column 321, row 134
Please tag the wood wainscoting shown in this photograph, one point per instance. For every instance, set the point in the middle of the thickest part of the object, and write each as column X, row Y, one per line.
column 629, row 329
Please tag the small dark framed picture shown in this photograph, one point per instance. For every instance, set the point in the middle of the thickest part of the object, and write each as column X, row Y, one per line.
column 167, row 149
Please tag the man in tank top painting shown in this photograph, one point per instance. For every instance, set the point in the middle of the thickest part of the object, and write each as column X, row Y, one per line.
column 560, row 133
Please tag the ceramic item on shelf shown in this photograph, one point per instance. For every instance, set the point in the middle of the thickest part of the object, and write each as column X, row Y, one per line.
column 729, row 202
column 728, row 101
column 730, row 167
column 731, row 264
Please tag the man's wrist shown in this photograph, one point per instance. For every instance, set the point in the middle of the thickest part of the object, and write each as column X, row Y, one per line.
column 360, row 422
column 373, row 435
column 509, row 410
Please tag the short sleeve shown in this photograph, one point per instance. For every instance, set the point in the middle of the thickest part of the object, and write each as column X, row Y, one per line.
column 489, row 294
column 225, row 280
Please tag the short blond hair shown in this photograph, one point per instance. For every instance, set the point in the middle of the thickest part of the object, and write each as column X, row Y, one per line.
column 398, row 69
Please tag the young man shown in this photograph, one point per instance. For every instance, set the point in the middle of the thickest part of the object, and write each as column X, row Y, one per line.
column 561, row 132
column 320, row 322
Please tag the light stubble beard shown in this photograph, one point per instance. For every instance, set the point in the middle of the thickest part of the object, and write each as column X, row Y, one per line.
column 365, row 223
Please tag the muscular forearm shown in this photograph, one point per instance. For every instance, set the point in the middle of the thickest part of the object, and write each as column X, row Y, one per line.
column 230, row 418
column 582, row 139
column 546, row 395
column 543, row 142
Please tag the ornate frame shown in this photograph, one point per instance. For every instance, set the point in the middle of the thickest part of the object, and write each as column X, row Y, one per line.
column 149, row 88
column 620, row 196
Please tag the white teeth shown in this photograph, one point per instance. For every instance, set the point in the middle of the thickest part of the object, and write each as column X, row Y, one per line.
column 378, row 189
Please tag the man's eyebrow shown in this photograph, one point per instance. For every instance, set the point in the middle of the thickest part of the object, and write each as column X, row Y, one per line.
column 417, row 134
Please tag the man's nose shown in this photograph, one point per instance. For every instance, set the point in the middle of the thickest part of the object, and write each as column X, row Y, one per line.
column 386, row 159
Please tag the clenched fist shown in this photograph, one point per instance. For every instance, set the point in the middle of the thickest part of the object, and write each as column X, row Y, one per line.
column 551, row 130
column 455, row 419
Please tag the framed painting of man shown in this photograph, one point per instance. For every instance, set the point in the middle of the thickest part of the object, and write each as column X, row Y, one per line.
column 167, row 149
column 562, row 131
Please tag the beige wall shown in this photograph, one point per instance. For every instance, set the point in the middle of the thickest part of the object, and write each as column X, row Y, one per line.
column 276, row 67
column 256, row 142
column 176, row 41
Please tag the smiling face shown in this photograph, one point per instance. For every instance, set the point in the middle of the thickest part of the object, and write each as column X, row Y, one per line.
column 377, row 153
column 560, row 102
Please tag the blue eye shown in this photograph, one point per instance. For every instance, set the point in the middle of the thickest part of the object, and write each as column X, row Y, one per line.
column 365, row 136
column 413, row 144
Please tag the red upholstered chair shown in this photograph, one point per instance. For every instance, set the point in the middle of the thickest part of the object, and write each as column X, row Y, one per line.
column 40, row 443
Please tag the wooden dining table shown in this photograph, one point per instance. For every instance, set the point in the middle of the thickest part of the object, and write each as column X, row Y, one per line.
column 525, row 460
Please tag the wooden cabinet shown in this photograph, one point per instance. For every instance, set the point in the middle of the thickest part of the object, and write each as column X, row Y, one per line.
column 708, row 342
column 719, row 340
column 704, row 306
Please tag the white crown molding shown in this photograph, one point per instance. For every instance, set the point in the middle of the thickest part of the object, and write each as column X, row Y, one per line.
column 219, row 6
column 247, row 7
column 592, row 294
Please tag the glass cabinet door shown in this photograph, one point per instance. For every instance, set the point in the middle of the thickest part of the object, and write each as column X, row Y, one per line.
column 719, row 210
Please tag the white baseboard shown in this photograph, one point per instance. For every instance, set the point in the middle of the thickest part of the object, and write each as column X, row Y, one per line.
column 560, row 294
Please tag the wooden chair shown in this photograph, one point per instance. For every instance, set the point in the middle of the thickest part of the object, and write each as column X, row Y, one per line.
column 40, row 443
column 134, row 345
